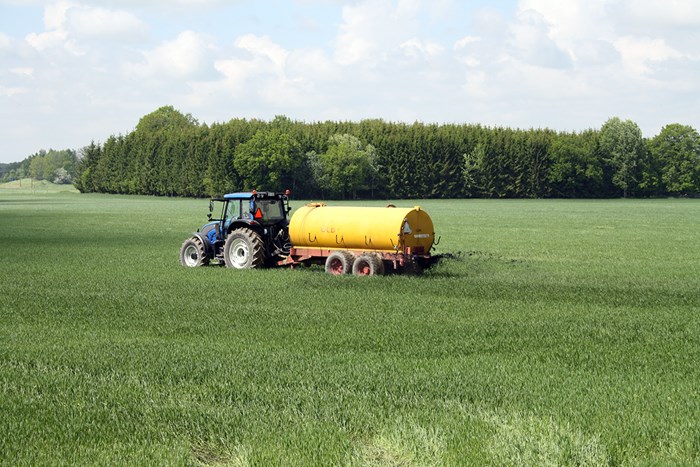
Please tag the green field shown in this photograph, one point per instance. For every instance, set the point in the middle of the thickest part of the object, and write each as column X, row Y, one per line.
column 35, row 186
column 566, row 333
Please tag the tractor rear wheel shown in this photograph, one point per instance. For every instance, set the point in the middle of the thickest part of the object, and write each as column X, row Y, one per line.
column 192, row 253
column 339, row 262
column 368, row 265
column 244, row 249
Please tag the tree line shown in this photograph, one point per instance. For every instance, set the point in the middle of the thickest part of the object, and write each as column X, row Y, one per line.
column 52, row 165
column 171, row 154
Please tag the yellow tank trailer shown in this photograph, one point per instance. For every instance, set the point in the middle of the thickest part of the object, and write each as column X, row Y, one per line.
column 361, row 240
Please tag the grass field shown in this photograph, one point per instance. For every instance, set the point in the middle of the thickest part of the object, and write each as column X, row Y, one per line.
column 567, row 332
column 36, row 186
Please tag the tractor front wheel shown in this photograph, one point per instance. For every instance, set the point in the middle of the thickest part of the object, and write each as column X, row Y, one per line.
column 244, row 249
column 192, row 253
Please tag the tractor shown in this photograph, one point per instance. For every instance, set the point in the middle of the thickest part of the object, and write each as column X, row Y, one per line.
column 250, row 231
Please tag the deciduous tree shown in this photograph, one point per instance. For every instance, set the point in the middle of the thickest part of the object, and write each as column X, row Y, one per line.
column 268, row 161
column 623, row 149
column 347, row 166
column 677, row 148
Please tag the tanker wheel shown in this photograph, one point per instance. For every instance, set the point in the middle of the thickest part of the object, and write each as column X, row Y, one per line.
column 192, row 253
column 339, row 262
column 244, row 249
column 368, row 265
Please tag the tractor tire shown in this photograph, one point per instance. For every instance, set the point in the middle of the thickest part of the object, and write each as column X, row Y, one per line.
column 244, row 249
column 339, row 262
column 368, row 265
column 193, row 253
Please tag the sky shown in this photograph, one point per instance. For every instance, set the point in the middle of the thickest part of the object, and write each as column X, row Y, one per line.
column 77, row 71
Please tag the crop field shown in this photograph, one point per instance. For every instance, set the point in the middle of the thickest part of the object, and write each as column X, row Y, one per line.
column 564, row 333
column 27, row 185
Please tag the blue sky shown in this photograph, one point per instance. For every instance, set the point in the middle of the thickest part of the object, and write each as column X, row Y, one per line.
column 73, row 71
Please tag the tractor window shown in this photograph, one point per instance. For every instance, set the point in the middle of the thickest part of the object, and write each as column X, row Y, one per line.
column 217, row 209
column 233, row 210
column 272, row 210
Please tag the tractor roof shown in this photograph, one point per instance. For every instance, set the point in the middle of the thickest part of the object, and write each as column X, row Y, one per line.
column 249, row 194
column 246, row 195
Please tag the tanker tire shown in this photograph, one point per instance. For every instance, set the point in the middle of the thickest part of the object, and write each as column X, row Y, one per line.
column 379, row 265
column 244, row 249
column 339, row 262
column 368, row 265
column 193, row 254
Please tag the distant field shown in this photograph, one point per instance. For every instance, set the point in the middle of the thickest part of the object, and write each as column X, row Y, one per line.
column 567, row 332
column 40, row 186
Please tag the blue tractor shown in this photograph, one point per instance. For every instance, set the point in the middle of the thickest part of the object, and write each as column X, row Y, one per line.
column 251, row 231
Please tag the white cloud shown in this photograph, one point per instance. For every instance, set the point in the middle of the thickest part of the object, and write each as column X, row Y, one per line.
column 573, row 20
column 313, row 65
column 23, row 71
column 68, row 24
column 602, row 31
column 101, row 22
column 465, row 44
column 415, row 48
column 354, row 44
column 465, row 41
column 55, row 14
column 371, row 28
column 4, row 41
column 638, row 53
column 55, row 35
column 50, row 39
column 187, row 56
column 573, row 64
column 263, row 47
column 667, row 13
column 11, row 91
column 261, row 69
column 263, row 59
column 532, row 44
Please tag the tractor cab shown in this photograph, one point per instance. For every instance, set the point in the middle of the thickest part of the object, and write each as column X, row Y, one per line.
column 241, row 224
column 263, row 208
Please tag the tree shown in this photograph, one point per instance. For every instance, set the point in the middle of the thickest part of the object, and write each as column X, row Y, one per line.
column 268, row 161
column 347, row 167
column 85, row 179
column 576, row 170
column 9, row 172
column 165, row 119
column 471, row 172
column 677, row 150
column 61, row 176
column 623, row 149
column 169, row 153
column 317, row 172
column 37, row 167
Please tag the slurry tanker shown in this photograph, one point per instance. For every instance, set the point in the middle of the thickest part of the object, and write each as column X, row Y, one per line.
column 253, row 230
